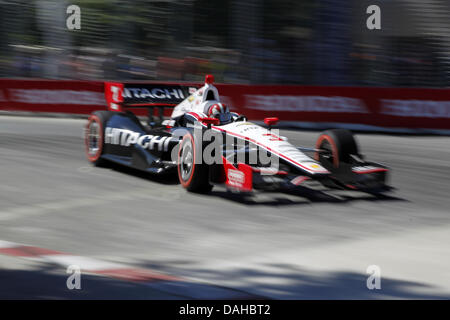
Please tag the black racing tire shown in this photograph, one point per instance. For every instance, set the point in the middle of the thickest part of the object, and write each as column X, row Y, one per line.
column 94, row 137
column 341, row 145
column 193, row 176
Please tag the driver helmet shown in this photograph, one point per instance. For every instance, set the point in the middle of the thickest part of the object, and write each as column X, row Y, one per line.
column 216, row 109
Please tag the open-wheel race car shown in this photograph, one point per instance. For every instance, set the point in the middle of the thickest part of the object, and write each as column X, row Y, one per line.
column 206, row 144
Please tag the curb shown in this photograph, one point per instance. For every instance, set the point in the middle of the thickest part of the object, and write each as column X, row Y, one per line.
column 184, row 288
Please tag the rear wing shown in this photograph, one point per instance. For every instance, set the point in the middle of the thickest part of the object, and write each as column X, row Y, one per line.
column 135, row 95
column 120, row 96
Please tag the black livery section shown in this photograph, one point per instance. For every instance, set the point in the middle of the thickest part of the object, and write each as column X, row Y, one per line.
column 126, row 141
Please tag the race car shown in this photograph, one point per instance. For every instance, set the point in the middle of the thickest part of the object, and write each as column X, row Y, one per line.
column 206, row 144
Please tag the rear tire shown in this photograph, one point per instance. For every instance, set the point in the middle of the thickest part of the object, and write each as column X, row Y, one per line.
column 340, row 145
column 94, row 137
column 193, row 176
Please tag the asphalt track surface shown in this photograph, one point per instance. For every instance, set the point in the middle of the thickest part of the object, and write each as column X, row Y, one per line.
column 316, row 246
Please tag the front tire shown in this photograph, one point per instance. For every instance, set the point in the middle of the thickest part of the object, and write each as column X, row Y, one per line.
column 193, row 176
column 339, row 146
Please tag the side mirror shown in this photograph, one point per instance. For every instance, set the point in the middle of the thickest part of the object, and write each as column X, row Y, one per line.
column 209, row 79
column 271, row 121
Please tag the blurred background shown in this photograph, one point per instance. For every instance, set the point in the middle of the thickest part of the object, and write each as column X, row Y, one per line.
column 308, row 42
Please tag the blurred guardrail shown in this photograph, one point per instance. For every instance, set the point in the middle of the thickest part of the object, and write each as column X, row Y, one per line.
column 358, row 108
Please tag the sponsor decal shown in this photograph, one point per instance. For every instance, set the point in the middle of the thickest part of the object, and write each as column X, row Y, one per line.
column 126, row 138
column 114, row 107
column 236, row 178
column 275, row 147
column 244, row 130
column 314, row 166
column 416, row 108
column 305, row 103
column 154, row 93
column 364, row 168
column 168, row 123
column 367, row 169
column 299, row 180
column 273, row 137
column 114, row 95
column 38, row 96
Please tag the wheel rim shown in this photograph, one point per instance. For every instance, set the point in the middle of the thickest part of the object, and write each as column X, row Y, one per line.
column 93, row 139
column 187, row 161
